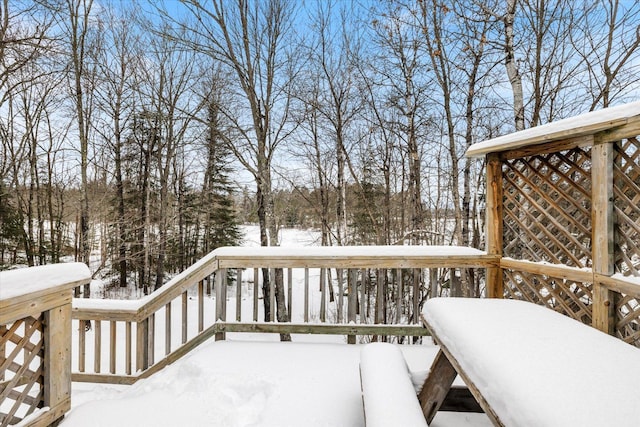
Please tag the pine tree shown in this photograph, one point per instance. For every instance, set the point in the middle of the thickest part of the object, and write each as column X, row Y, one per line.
column 220, row 225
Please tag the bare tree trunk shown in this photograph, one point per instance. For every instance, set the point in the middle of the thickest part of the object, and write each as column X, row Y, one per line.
column 512, row 67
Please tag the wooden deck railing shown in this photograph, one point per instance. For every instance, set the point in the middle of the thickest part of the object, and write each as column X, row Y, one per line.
column 222, row 294
column 35, row 342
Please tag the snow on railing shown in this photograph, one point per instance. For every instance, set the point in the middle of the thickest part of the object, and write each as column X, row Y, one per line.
column 374, row 292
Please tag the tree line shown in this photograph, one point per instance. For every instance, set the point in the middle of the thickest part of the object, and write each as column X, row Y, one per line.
column 145, row 132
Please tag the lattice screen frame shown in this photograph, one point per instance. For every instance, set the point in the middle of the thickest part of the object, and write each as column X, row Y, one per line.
column 21, row 369
column 547, row 218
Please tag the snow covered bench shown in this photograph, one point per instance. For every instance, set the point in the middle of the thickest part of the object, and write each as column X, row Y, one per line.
column 530, row 366
column 388, row 394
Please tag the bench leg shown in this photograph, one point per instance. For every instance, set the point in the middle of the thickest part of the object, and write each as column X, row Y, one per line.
column 436, row 386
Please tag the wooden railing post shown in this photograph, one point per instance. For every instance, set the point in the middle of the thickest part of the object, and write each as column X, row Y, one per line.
column 602, row 158
column 57, row 361
column 495, row 284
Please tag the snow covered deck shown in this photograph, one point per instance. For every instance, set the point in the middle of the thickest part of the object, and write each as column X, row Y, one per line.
column 249, row 383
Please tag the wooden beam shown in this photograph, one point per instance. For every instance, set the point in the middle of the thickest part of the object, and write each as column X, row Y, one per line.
column 554, row 270
column 322, row 328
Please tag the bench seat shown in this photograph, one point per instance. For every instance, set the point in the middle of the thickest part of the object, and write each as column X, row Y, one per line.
column 388, row 394
column 530, row 366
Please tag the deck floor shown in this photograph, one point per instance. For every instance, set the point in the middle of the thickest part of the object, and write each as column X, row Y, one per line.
column 249, row 383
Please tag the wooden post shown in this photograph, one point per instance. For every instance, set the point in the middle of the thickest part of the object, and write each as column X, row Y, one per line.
column 57, row 362
column 495, row 284
column 602, row 158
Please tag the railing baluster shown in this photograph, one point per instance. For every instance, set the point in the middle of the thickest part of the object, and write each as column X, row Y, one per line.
column 220, row 300
column 82, row 345
column 256, row 289
column 272, row 294
column 142, row 345
column 152, row 339
column 363, row 295
column 352, row 305
column 200, row 306
column 340, row 305
column 306, row 295
column 185, row 300
column 323, row 296
column 238, row 294
column 400, row 297
column 3, row 350
column 290, row 293
column 112, row 347
column 167, row 328
column 97, row 355
column 128, row 347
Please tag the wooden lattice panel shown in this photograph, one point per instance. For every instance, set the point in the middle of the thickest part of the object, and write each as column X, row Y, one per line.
column 626, row 178
column 547, row 208
column 21, row 369
column 628, row 319
column 564, row 296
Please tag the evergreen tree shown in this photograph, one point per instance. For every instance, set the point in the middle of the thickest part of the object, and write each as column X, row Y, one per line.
column 220, row 225
column 367, row 215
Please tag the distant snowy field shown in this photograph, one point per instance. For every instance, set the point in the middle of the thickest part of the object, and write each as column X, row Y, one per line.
column 246, row 381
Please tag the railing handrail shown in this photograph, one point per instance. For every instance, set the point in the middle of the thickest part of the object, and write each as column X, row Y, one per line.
column 283, row 256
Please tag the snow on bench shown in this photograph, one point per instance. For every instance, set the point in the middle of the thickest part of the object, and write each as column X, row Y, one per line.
column 388, row 394
column 530, row 366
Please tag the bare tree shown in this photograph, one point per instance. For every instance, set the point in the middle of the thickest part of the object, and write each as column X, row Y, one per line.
column 249, row 38
column 117, row 65
column 405, row 79
column 76, row 20
column 607, row 39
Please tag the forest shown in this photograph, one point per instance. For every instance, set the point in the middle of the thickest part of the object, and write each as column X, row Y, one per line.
column 137, row 136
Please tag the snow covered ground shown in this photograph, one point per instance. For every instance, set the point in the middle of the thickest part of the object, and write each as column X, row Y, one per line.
column 251, row 380
column 248, row 383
